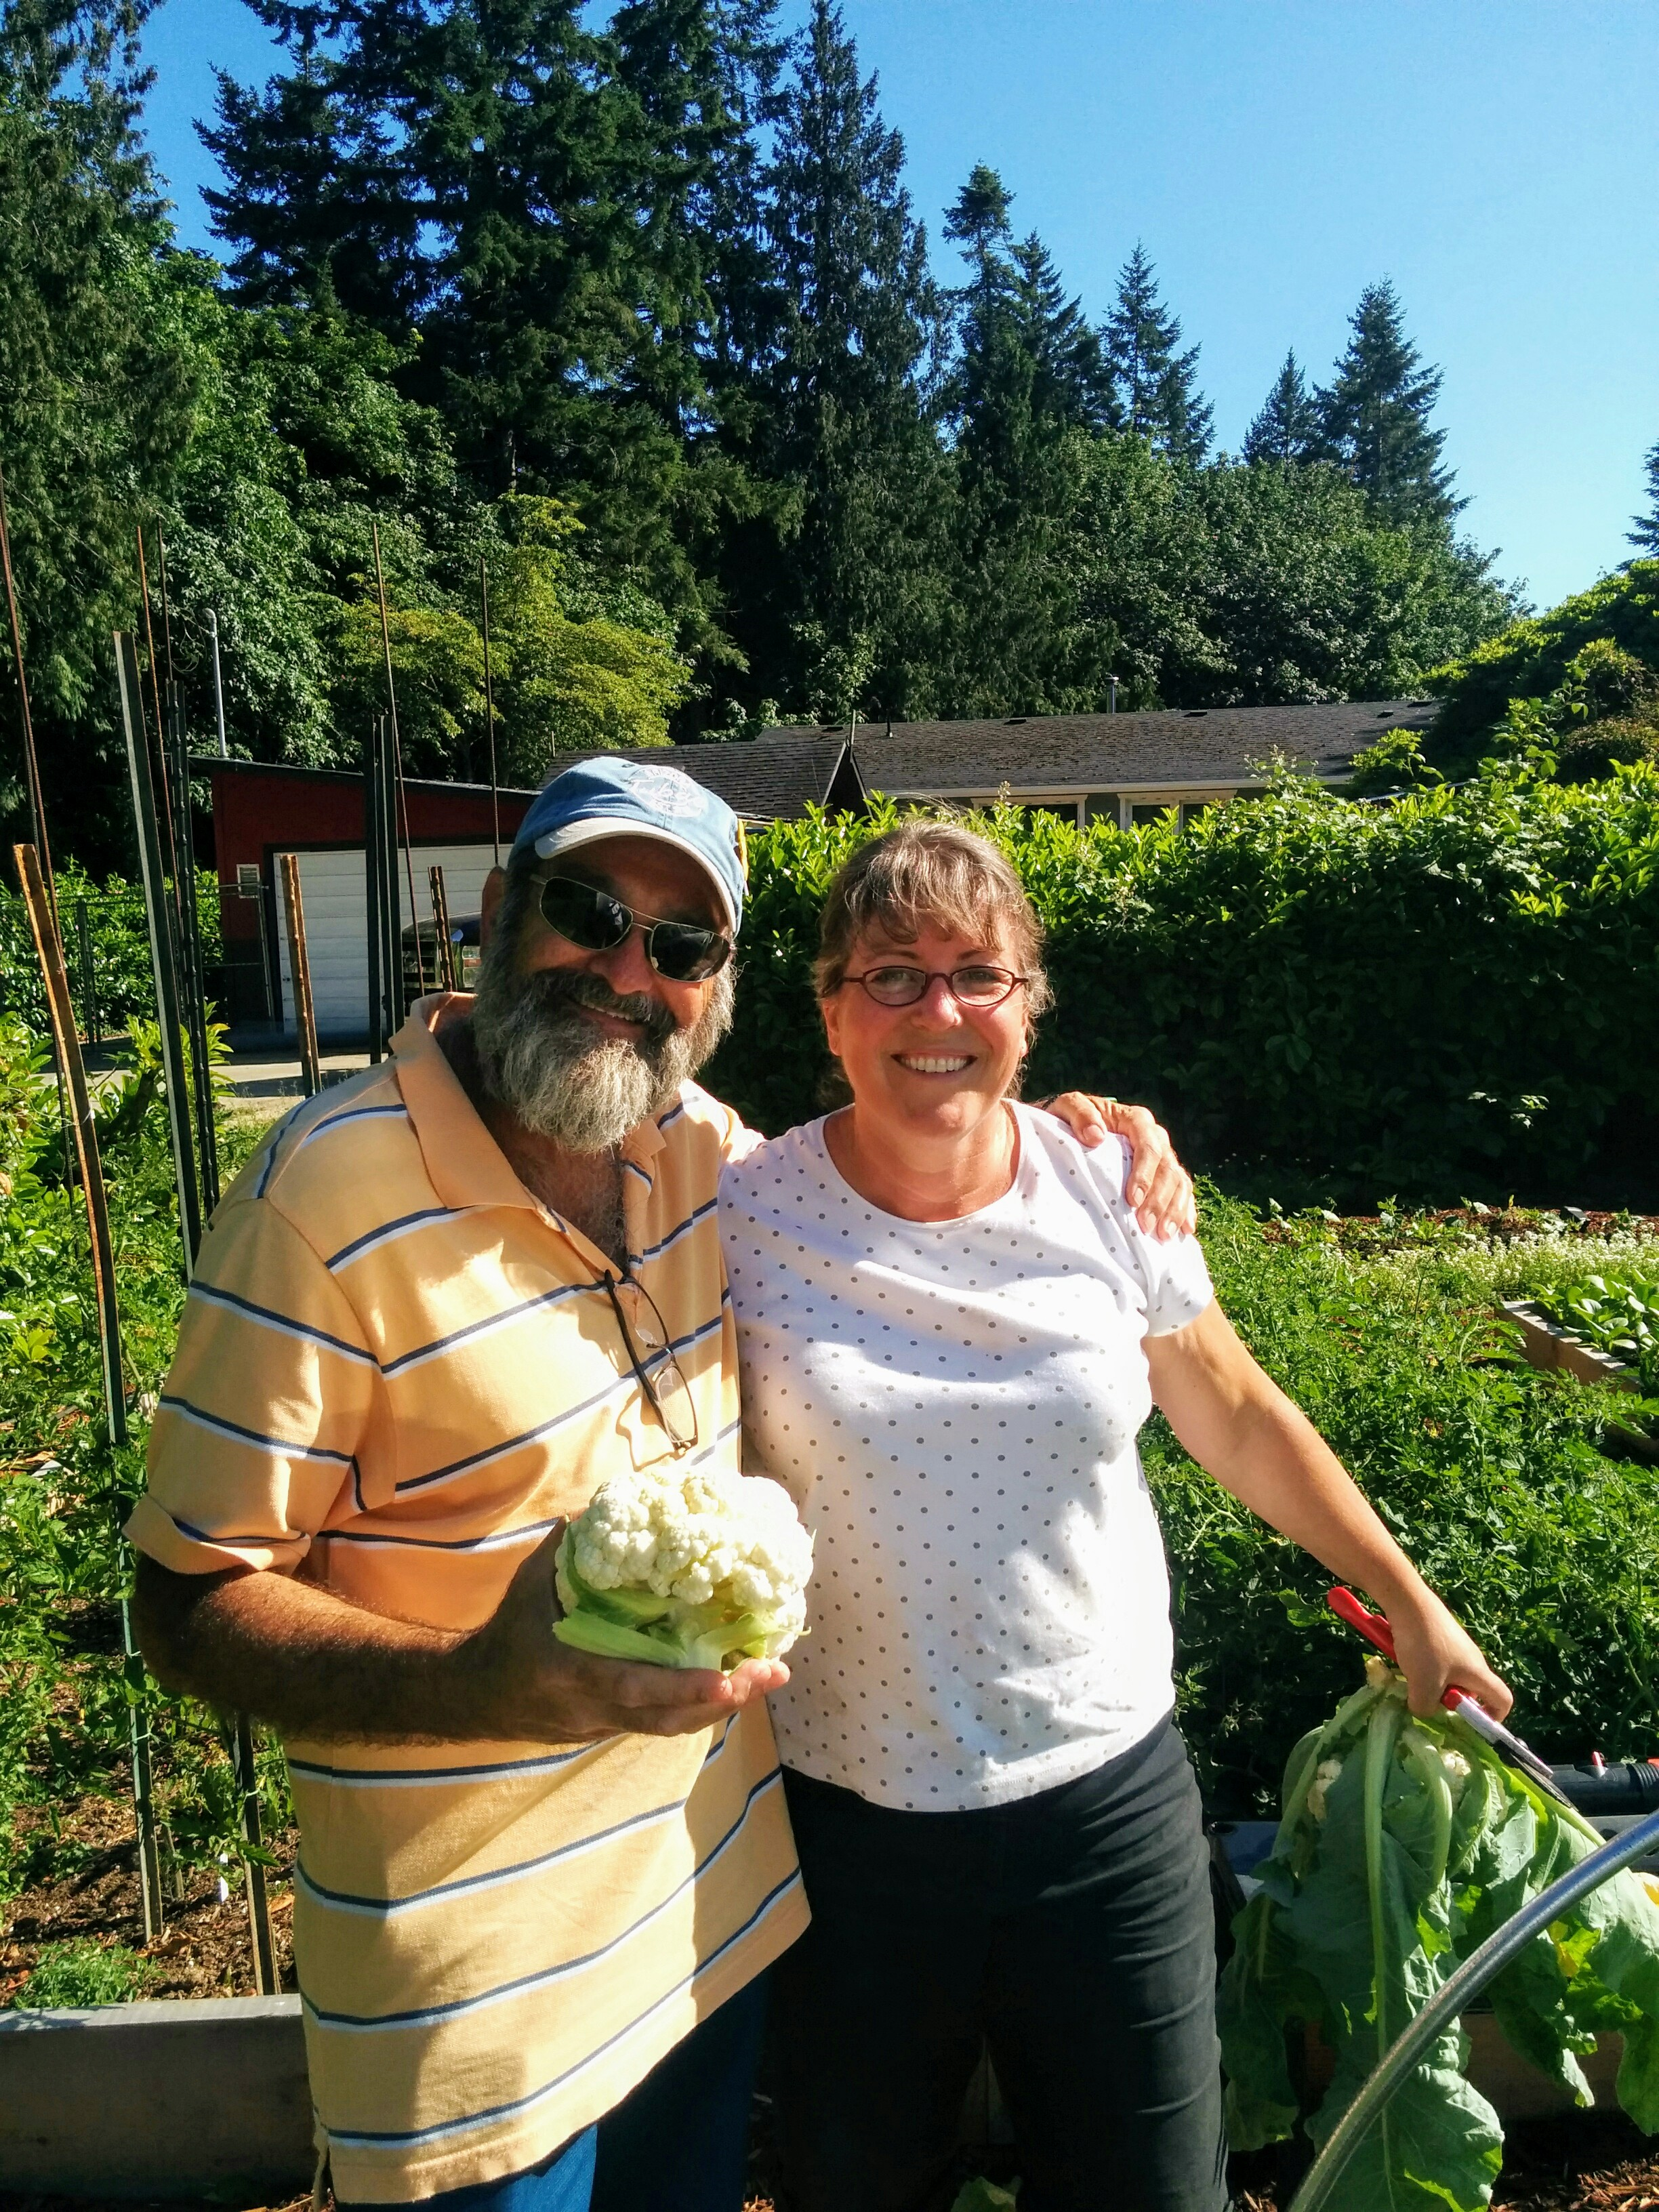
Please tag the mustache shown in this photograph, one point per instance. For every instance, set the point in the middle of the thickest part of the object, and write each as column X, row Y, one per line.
column 553, row 991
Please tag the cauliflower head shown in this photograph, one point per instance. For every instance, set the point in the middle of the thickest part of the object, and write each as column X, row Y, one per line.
column 691, row 1567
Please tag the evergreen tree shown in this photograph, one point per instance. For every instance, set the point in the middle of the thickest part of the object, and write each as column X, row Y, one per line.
column 1028, row 376
column 1645, row 535
column 836, row 608
column 1287, row 429
column 102, row 365
column 1374, row 419
column 1157, row 392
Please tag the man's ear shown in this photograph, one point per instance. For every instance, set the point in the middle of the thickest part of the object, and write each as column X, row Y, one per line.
column 494, row 890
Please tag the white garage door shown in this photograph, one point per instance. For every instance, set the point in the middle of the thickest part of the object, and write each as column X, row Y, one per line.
column 334, row 901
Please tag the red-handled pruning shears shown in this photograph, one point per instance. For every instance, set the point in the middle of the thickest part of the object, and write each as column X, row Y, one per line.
column 1375, row 1630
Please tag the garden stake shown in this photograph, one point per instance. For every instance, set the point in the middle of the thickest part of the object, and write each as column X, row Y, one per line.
column 372, row 896
column 489, row 713
column 446, row 977
column 160, row 946
column 156, row 694
column 61, row 1010
column 299, row 966
column 88, row 971
column 398, row 760
column 266, row 1981
column 190, row 955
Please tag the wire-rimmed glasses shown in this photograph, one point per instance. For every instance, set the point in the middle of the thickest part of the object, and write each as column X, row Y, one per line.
column 667, row 1393
column 980, row 984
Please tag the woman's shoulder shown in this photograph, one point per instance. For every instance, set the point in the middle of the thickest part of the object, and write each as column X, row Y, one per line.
column 1094, row 1171
column 772, row 1164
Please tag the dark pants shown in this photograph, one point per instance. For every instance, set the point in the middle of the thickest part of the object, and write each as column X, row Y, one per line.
column 1071, row 1931
column 678, row 2143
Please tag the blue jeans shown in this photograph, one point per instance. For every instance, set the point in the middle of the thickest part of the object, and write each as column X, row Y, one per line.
column 677, row 2143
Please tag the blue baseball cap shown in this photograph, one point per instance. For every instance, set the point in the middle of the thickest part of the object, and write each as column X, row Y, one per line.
column 613, row 798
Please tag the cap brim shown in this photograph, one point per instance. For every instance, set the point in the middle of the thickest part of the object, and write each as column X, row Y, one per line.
column 596, row 829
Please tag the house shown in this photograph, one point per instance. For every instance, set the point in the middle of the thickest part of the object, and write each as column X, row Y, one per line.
column 1119, row 768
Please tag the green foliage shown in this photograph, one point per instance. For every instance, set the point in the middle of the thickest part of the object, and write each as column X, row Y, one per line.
column 64, row 1693
column 1450, row 992
column 1619, row 1317
column 1544, row 657
column 85, row 1972
column 1405, row 1843
column 120, row 984
column 1374, row 418
column 1487, row 1471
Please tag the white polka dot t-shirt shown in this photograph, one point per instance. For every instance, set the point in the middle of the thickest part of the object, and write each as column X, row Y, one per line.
column 953, row 1405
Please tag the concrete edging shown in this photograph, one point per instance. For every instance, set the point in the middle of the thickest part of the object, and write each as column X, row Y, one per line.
column 174, row 2098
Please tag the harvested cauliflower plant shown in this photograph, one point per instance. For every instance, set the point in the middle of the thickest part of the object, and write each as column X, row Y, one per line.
column 1404, row 1844
column 691, row 1568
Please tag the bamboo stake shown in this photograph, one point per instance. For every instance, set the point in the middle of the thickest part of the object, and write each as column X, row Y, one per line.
column 445, row 962
column 299, row 961
column 60, row 1007
column 489, row 713
column 398, row 763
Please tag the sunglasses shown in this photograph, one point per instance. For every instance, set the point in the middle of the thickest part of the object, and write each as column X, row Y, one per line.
column 668, row 1392
column 598, row 921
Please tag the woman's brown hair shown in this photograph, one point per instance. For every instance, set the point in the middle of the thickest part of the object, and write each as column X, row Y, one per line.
column 932, row 875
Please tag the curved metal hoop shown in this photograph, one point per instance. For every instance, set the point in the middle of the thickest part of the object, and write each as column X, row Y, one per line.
column 1472, row 1976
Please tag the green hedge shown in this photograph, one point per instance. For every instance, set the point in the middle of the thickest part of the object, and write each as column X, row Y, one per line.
column 122, row 982
column 1452, row 994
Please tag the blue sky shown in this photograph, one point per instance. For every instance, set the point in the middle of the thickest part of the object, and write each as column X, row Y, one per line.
column 1494, row 157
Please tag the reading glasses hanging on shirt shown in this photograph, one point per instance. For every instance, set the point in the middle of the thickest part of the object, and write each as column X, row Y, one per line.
column 895, row 985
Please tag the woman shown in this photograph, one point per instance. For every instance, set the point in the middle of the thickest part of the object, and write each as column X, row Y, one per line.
column 951, row 1328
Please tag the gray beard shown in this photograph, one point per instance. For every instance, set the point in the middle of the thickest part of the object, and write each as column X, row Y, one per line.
column 539, row 1058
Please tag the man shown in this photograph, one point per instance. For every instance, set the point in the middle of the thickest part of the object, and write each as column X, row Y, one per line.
column 447, row 1301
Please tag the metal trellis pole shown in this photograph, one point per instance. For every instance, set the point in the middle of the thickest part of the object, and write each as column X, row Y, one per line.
column 490, row 712
column 61, row 1012
column 402, row 797
column 160, row 946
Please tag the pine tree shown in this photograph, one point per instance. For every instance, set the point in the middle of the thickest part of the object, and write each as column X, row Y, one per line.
column 1287, row 429
column 1157, row 392
column 1645, row 535
column 835, row 610
column 1374, row 419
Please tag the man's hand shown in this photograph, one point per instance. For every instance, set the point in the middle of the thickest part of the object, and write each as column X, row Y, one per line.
column 314, row 1665
column 1159, row 1188
column 538, row 1690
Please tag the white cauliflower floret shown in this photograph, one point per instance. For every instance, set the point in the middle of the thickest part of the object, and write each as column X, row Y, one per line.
column 687, row 1564
column 1324, row 1774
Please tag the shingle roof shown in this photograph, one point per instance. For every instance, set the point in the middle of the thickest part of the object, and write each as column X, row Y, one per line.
column 772, row 778
column 1217, row 745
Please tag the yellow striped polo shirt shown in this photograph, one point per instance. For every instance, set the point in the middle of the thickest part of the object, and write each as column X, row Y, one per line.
column 396, row 1370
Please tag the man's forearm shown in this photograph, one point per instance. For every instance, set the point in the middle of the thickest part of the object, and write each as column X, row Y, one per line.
column 302, row 1659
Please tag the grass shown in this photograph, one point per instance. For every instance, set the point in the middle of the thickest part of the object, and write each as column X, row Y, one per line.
column 83, row 1973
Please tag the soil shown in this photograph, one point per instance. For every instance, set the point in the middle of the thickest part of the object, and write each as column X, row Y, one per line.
column 205, row 1948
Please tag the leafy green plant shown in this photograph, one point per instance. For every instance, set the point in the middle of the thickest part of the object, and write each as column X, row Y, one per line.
column 1620, row 1317
column 83, row 1973
column 1404, row 1844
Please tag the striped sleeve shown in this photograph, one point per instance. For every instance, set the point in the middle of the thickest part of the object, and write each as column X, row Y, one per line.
column 261, row 1419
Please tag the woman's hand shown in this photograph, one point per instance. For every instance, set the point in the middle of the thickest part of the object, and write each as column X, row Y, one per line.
column 1159, row 1188
column 1435, row 1653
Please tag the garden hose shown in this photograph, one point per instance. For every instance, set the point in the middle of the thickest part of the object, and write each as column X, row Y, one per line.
column 1441, row 2011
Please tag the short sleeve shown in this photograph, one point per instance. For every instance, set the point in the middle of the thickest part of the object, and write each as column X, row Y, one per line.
column 740, row 1141
column 271, row 1390
column 1173, row 1275
column 1178, row 1285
